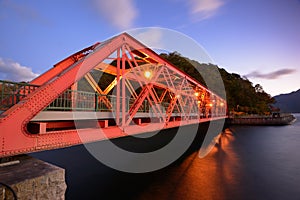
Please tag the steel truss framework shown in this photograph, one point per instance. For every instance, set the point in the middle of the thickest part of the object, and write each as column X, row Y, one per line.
column 173, row 98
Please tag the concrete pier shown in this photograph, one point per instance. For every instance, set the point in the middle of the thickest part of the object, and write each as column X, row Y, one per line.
column 283, row 119
column 32, row 179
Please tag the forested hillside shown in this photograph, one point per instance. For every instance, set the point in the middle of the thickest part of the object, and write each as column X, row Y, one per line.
column 241, row 94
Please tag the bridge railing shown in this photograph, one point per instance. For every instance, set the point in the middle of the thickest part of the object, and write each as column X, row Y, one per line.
column 11, row 93
column 90, row 101
column 73, row 100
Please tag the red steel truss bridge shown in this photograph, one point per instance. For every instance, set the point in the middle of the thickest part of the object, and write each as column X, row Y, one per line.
column 119, row 86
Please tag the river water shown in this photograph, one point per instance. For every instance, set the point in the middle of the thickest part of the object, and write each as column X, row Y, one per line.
column 249, row 162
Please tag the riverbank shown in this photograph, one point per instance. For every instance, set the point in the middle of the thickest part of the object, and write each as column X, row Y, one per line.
column 277, row 120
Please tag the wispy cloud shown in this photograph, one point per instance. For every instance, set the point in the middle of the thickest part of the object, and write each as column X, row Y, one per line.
column 204, row 9
column 151, row 37
column 121, row 13
column 13, row 71
column 272, row 75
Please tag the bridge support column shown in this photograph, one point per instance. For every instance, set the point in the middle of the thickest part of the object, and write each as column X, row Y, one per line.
column 38, row 127
column 137, row 121
column 103, row 123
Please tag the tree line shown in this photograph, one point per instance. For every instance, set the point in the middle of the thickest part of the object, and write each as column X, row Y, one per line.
column 241, row 95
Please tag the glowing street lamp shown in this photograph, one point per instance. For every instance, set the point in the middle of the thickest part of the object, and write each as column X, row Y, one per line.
column 196, row 94
column 147, row 74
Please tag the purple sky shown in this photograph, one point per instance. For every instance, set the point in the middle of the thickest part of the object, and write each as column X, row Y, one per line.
column 257, row 38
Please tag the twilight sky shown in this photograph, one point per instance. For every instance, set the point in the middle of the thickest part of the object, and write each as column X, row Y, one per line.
column 259, row 38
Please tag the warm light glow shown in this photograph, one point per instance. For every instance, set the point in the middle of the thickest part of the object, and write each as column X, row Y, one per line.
column 147, row 74
column 178, row 96
column 202, row 96
column 221, row 104
column 210, row 104
column 196, row 94
column 199, row 102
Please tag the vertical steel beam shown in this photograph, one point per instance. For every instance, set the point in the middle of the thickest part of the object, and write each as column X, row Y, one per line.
column 118, row 88
column 123, row 85
column 74, row 87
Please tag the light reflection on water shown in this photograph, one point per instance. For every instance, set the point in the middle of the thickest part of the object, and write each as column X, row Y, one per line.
column 195, row 178
column 247, row 163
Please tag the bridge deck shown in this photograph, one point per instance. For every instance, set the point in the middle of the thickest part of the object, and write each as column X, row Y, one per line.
column 77, row 115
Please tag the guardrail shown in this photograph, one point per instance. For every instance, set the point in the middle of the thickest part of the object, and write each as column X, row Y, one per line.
column 11, row 93
column 89, row 101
